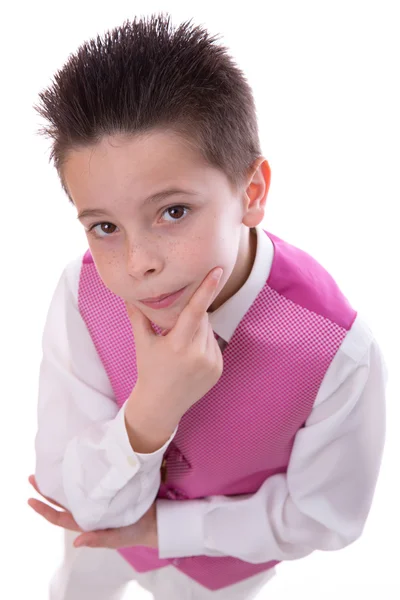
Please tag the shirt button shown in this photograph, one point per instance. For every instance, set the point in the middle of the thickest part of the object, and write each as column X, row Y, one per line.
column 132, row 461
column 176, row 561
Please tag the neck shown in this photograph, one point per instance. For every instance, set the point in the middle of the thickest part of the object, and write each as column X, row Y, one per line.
column 244, row 264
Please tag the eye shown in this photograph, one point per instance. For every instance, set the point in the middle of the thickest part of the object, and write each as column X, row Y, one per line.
column 105, row 228
column 178, row 211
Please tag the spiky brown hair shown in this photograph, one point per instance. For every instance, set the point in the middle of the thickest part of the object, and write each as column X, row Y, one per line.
column 147, row 75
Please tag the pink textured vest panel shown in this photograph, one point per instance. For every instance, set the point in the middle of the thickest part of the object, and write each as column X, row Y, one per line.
column 242, row 431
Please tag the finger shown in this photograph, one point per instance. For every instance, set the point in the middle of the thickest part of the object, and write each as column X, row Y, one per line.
column 118, row 537
column 203, row 333
column 208, row 340
column 102, row 538
column 55, row 517
column 213, row 349
column 190, row 318
column 33, row 483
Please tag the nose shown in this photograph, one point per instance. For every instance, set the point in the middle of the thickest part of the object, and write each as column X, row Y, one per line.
column 142, row 259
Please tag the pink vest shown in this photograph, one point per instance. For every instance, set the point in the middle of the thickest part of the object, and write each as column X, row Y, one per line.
column 242, row 431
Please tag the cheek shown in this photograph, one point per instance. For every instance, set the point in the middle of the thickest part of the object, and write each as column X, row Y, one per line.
column 215, row 249
column 109, row 269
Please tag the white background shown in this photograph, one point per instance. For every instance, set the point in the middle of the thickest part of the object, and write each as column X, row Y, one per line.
column 325, row 75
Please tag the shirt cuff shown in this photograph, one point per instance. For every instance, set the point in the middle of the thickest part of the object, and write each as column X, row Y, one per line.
column 120, row 454
column 180, row 525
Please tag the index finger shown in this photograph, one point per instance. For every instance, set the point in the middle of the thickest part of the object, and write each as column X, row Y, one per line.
column 189, row 320
column 53, row 516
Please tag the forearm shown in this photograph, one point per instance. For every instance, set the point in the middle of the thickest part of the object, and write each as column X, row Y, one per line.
column 321, row 503
column 97, row 476
column 84, row 458
column 147, row 428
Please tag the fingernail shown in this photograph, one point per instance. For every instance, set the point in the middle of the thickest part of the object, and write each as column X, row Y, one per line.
column 217, row 273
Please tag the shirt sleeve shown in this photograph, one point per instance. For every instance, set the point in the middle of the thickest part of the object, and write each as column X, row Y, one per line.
column 84, row 459
column 323, row 500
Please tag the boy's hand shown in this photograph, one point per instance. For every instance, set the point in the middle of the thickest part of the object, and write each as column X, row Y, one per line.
column 176, row 369
column 142, row 533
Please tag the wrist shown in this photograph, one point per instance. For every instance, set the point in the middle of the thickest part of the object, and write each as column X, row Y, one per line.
column 147, row 430
column 153, row 537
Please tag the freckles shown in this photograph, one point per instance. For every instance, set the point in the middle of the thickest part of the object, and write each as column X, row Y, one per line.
column 174, row 247
column 191, row 253
column 110, row 264
column 113, row 259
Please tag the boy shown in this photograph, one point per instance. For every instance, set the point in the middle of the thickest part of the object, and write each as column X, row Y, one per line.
column 235, row 422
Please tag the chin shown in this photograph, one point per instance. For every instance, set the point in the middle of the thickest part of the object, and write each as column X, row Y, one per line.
column 165, row 321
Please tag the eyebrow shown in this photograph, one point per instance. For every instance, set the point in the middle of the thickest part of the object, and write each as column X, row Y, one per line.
column 153, row 199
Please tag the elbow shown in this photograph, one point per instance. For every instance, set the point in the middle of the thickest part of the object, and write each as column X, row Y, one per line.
column 88, row 520
column 349, row 527
column 338, row 539
column 49, row 483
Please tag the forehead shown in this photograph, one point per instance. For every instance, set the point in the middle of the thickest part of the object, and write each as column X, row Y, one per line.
column 139, row 164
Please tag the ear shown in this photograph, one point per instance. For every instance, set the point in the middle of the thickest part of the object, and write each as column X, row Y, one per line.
column 256, row 193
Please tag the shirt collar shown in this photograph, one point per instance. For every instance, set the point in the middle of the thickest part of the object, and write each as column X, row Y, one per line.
column 227, row 317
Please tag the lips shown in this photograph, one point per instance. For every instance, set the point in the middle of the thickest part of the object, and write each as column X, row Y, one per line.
column 165, row 302
column 158, row 298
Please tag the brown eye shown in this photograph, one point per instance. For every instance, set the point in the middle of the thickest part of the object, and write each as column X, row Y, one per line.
column 177, row 213
column 103, row 230
column 177, row 210
column 107, row 227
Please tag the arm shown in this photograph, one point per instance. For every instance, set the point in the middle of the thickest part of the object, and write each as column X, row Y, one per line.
column 323, row 500
column 84, row 458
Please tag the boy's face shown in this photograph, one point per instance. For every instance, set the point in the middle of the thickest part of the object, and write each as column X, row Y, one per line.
column 146, row 249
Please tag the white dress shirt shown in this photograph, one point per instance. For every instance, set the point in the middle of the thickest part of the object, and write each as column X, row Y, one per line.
column 85, row 462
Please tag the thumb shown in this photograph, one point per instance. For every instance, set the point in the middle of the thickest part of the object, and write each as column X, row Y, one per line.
column 141, row 325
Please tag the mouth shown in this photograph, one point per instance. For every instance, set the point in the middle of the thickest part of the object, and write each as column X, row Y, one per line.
column 164, row 300
column 158, row 298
